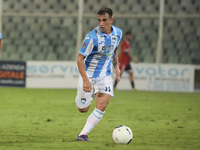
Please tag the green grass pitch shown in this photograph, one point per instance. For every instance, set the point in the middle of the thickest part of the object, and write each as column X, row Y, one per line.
column 47, row 119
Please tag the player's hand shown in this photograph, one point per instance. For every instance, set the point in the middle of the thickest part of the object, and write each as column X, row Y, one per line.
column 135, row 60
column 87, row 87
column 117, row 72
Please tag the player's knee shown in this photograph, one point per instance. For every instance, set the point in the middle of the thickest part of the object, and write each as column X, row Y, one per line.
column 102, row 105
column 83, row 110
column 131, row 73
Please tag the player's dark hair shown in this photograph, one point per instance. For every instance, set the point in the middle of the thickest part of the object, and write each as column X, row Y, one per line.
column 128, row 33
column 104, row 10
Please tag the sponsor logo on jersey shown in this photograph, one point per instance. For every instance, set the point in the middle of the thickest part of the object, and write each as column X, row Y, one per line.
column 105, row 54
column 101, row 42
column 108, row 54
column 108, row 47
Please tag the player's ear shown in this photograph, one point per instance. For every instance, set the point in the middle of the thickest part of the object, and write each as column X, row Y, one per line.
column 111, row 19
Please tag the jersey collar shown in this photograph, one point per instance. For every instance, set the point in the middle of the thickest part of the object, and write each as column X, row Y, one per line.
column 103, row 34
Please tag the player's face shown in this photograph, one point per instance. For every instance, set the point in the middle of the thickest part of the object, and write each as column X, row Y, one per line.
column 128, row 37
column 105, row 22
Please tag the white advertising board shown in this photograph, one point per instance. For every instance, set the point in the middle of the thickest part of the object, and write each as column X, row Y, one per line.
column 52, row 74
column 160, row 77
column 149, row 77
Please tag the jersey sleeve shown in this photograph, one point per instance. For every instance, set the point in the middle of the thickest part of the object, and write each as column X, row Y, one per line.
column 119, row 33
column 120, row 36
column 1, row 36
column 87, row 46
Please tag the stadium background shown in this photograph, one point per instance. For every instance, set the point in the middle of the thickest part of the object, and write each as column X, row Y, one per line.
column 48, row 29
column 45, row 34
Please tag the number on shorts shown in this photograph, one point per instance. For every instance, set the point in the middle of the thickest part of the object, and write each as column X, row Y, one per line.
column 107, row 89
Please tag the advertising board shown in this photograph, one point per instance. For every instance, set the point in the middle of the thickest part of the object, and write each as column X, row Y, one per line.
column 149, row 77
column 160, row 77
column 12, row 74
column 52, row 74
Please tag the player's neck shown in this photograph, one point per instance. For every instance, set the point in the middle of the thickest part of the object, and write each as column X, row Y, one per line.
column 127, row 40
column 109, row 31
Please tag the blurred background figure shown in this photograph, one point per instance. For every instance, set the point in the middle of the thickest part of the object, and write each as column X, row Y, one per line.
column 125, row 57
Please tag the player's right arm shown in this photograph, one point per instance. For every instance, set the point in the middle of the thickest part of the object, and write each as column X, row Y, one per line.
column 85, row 50
column 81, row 67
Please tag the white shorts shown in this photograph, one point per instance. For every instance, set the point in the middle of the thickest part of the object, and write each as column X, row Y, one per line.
column 101, row 85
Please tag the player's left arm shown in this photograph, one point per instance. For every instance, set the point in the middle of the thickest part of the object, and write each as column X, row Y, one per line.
column 116, row 65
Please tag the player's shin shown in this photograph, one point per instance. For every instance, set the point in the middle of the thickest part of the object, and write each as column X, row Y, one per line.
column 132, row 84
column 92, row 121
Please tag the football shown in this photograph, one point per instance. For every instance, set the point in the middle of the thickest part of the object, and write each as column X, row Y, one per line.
column 122, row 135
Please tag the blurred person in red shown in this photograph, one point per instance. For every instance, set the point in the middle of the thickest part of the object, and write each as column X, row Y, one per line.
column 125, row 57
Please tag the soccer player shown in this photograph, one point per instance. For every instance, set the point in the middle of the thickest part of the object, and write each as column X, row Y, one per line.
column 1, row 41
column 97, row 53
column 124, row 59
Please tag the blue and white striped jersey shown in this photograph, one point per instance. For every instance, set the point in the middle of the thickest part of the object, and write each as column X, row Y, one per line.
column 98, row 48
column 1, row 36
